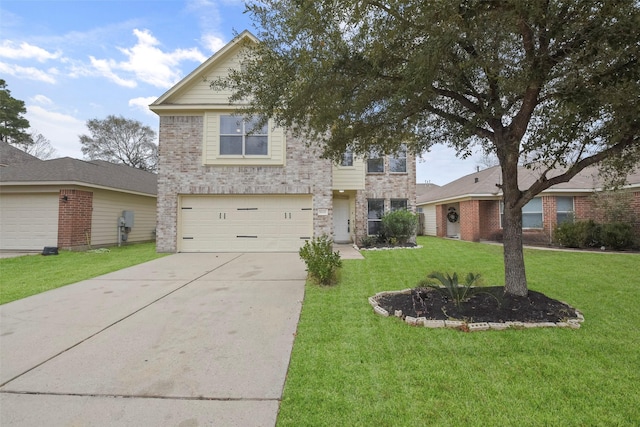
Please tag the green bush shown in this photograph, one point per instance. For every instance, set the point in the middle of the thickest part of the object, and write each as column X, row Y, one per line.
column 399, row 226
column 617, row 235
column 579, row 234
column 322, row 263
column 589, row 234
column 368, row 241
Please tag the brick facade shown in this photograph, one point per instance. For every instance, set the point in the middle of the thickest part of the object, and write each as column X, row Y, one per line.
column 75, row 211
column 387, row 186
column 480, row 219
column 181, row 172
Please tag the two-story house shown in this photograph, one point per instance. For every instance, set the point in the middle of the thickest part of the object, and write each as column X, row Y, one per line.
column 225, row 184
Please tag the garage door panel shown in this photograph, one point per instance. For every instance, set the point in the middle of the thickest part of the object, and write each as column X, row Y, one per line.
column 245, row 223
column 28, row 221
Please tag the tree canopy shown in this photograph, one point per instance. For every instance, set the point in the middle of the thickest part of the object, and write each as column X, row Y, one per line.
column 551, row 84
column 120, row 140
column 12, row 125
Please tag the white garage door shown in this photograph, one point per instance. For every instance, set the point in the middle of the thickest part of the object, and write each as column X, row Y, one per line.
column 244, row 223
column 28, row 221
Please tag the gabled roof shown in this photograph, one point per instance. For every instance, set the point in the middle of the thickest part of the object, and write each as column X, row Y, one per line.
column 69, row 171
column 204, row 68
column 10, row 155
column 484, row 185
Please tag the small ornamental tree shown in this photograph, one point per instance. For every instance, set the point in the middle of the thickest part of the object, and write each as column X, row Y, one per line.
column 552, row 84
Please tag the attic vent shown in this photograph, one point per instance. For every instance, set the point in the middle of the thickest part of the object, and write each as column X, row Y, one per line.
column 476, row 180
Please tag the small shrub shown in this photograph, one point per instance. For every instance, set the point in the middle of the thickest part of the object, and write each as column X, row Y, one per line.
column 579, row 234
column 450, row 286
column 400, row 225
column 368, row 241
column 617, row 235
column 322, row 263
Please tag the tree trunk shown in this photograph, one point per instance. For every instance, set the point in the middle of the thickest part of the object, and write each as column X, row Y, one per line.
column 515, row 279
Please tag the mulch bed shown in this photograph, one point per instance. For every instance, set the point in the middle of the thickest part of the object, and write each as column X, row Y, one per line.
column 489, row 305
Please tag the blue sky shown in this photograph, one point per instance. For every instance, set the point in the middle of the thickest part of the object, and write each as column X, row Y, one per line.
column 75, row 60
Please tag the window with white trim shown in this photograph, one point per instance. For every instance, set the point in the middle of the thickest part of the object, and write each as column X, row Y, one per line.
column 564, row 209
column 398, row 162
column 375, row 163
column 347, row 159
column 243, row 137
column 531, row 214
column 375, row 210
column 398, row 205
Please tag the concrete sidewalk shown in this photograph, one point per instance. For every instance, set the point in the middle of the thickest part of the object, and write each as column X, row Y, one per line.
column 189, row 339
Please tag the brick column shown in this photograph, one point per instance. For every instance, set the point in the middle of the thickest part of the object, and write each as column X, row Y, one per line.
column 75, row 210
column 470, row 220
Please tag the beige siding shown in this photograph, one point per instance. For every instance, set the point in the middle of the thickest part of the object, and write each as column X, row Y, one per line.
column 349, row 177
column 200, row 92
column 108, row 207
column 430, row 228
column 277, row 143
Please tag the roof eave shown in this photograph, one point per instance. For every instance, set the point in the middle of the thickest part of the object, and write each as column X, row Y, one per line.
column 76, row 184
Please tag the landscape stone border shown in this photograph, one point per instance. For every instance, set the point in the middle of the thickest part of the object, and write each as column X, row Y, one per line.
column 387, row 248
column 465, row 326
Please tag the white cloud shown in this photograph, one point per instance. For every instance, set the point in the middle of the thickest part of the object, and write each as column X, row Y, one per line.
column 213, row 42
column 24, row 50
column 143, row 103
column 42, row 100
column 62, row 130
column 147, row 63
column 29, row 73
column 105, row 68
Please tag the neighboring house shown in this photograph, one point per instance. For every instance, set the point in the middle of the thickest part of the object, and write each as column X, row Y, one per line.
column 470, row 208
column 70, row 203
column 226, row 185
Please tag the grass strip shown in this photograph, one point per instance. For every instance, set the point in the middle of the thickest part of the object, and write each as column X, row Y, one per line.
column 32, row 274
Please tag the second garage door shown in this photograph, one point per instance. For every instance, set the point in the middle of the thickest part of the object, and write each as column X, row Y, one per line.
column 28, row 221
column 244, row 223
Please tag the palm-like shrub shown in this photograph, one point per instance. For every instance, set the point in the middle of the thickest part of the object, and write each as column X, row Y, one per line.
column 451, row 287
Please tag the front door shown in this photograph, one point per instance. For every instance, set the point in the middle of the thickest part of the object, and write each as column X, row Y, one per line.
column 341, row 226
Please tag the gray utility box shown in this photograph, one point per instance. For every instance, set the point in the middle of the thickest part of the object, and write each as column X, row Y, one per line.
column 128, row 219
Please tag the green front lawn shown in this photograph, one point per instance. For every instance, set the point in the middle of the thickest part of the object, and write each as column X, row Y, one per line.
column 352, row 367
column 31, row 274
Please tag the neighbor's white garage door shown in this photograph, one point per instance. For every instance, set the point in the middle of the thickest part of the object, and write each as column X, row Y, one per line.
column 28, row 221
column 244, row 223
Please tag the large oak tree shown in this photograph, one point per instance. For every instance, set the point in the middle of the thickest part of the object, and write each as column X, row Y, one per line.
column 552, row 84
column 120, row 140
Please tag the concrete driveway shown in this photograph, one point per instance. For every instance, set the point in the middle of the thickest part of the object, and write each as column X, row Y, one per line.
column 185, row 340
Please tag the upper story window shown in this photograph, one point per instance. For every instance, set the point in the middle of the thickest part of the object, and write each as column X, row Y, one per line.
column 347, row 158
column 243, row 137
column 398, row 163
column 564, row 209
column 375, row 163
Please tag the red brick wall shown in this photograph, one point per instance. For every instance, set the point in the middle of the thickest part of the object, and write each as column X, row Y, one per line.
column 470, row 220
column 74, row 218
column 583, row 206
column 490, row 219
